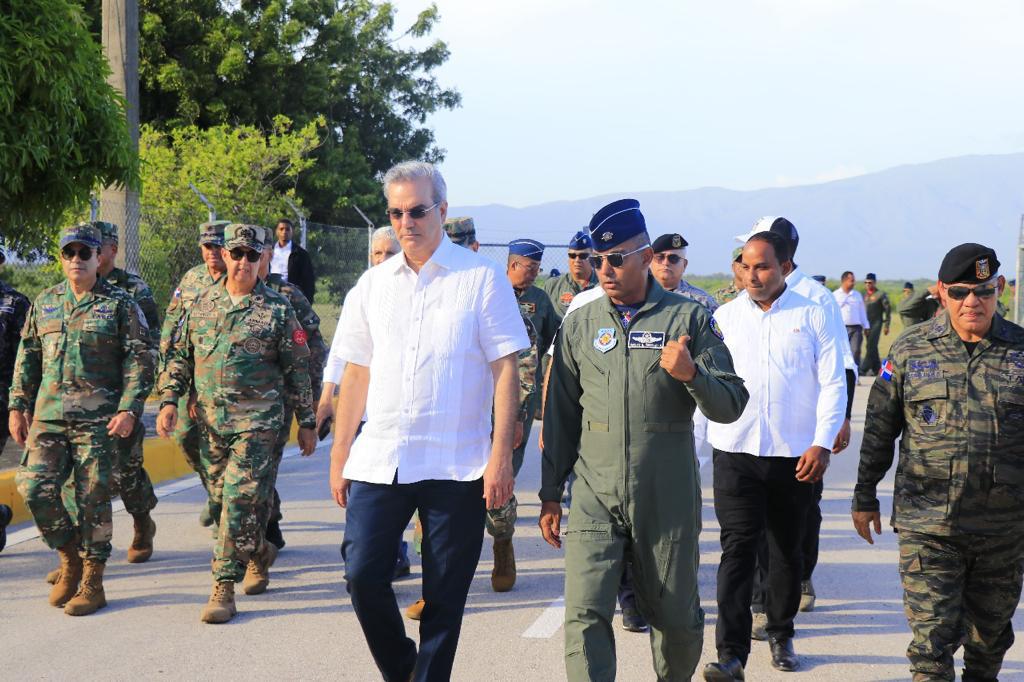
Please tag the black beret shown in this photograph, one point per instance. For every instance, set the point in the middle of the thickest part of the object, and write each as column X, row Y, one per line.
column 870, row 277
column 908, row 285
column 667, row 242
column 969, row 263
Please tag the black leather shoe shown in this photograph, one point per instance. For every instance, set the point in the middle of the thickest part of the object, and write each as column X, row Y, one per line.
column 633, row 621
column 727, row 669
column 783, row 656
column 6, row 514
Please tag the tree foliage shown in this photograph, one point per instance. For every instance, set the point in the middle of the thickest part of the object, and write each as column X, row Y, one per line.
column 64, row 129
column 213, row 62
column 245, row 172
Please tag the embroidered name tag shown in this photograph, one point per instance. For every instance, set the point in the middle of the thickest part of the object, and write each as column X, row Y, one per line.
column 642, row 339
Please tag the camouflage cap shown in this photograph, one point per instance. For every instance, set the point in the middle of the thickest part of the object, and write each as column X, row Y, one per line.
column 246, row 236
column 737, row 253
column 82, row 233
column 212, row 232
column 108, row 231
column 461, row 231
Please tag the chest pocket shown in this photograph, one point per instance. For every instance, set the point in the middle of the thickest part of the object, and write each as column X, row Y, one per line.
column 1010, row 415
column 928, row 408
column 797, row 348
column 50, row 337
column 597, row 393
column 665, row 405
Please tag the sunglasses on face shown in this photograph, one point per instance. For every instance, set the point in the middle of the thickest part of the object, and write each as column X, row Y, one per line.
column 239, row 254
column 416, row 212
column 959, row 293
column 529, row 267
column 614, row 259
column 672, row 258
column 83, row 253
column 583, row 255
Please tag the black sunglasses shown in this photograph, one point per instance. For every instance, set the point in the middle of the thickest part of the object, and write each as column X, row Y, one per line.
column 83, row 253
column 579, row 256
column 958, row 293
column 416, row 213
column 672, row 258
column 239, row 254
column 614, row 259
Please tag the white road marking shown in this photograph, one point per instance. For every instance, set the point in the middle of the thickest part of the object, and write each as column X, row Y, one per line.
column 163, row 490
column 548, row 622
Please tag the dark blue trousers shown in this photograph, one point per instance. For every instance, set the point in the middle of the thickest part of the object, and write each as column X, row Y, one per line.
column 452, row 516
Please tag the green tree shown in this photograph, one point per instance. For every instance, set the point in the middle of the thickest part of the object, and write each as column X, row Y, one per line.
column 64, row 129
column 244, row 171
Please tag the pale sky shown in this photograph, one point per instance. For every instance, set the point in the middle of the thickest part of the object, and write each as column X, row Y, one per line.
column 565, row 99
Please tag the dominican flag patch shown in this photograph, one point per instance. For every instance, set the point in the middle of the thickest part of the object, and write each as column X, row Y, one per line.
column 887, row 370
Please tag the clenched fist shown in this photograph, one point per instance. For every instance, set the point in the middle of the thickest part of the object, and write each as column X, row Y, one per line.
column 676, row 360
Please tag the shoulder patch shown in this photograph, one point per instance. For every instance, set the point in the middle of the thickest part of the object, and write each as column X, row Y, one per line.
column 887, row 370
column 713, row 325
column 300, row 337
column 605, row 339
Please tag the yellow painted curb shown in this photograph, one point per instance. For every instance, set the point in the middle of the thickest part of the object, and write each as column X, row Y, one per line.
column 161, row 457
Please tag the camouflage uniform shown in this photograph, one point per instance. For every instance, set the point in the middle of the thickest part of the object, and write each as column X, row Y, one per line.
column 697, row 294
column 310, row 323
column 188, row 435
column 958, row 503
column 13, row 309
column 80, row 363
column 535, row 305
column 726, row 294
column 244, row 361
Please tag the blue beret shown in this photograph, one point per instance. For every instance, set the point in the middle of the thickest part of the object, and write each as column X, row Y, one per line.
column 580, row 241
column 615, row 223
column 528, row 248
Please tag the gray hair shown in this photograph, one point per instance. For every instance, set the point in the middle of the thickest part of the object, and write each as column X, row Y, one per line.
column 386, row 232
column 408, row 171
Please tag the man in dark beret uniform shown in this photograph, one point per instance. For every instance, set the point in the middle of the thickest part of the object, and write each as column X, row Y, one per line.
column 669, row 266
column 952, row 392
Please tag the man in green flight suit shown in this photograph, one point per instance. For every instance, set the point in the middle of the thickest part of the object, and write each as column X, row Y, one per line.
column 84, row 369
column 879, row 315
column 243, row 353
column 189, row 434
column 919, row 306
column 580, row 277
column 952, row 393
column 628, row 371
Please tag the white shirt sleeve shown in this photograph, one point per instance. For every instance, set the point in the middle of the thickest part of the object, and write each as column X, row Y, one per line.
column 352, row 340
column 864, row 313
column 502, row 331
column 831, row 407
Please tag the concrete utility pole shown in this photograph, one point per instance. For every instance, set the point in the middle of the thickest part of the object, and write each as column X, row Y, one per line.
column 121, row 47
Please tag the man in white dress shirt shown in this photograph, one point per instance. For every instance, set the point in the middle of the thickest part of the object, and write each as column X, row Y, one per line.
column 431, row 339
column 854, row 312
column 767, row 462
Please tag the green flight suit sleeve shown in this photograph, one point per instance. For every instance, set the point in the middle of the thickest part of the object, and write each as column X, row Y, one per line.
column 883, row 424
column 293, row 354
column 717, row 389
column 28, row 368
column 918, row 306
column 563, row 417
column 138, row 363
column 886, row 310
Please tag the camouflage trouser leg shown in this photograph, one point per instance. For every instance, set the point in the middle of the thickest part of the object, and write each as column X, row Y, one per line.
column 237, row 468
column 189, row 436
column 131, row 481
column 54, row 451
column 501, row 522
column 270, row 501
column 959, row 588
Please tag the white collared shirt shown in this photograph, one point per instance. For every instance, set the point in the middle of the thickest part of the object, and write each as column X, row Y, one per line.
column 279, row 261
column 792, row 366
column 428, row 339
column 852, row 308
column 819, row 293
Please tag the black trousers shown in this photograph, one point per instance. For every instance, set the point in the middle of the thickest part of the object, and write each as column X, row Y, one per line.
column 871, row 364
column 452, row 515
column 809, row 545
column 755, row 496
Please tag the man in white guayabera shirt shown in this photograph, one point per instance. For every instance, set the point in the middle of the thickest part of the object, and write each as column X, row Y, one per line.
column 431, row 338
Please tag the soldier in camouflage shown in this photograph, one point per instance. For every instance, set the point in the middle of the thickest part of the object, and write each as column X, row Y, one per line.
column 242, row 352
column 669, row 266
column 727, row 293
column 83, row 372
column 310, row 323
column 952, row 391
column 581, row 277
column 13, row 309
column 189, row 434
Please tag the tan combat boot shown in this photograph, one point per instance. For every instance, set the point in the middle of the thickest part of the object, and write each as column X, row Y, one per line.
column 503, row 575
column 53, row 576
column 68, row 575
column 221, row 607
column 142, row 543
column 415, row 610
column 90, row 597
column 257, row 573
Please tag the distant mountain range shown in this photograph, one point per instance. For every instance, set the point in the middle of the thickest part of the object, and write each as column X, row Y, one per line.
column 897, row 222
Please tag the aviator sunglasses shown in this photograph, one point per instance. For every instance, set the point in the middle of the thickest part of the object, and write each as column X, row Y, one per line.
column 614, row 259
column 416, row 212
column 239, row 254
column 83, row 253
column 672, row 258
column 960, row 293
column 579, row 256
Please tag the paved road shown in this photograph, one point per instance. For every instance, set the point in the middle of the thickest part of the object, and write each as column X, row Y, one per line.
column 304, row 628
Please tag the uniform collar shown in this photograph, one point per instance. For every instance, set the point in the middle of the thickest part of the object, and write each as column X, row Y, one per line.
column 1001, row 330
column 655, row 292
